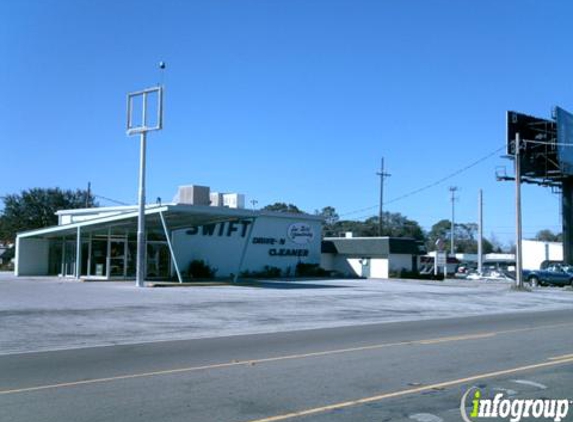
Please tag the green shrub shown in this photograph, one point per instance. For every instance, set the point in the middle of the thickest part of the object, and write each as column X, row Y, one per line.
column 200, row 269
column 310, row 270
column 266, row 272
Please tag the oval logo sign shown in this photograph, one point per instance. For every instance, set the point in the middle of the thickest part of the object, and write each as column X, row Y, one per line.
column 300, row 233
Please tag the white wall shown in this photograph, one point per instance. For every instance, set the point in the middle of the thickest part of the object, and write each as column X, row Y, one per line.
column 535, row 252
column 221, row 245
column 379, row 268
column 353, row 266
column 32, row 256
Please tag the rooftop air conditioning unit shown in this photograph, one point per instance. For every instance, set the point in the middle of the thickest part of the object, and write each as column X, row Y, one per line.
column 234, row 200
column 193, row 195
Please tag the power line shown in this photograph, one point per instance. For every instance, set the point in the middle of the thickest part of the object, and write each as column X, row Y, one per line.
column 430, row 185
column 114, row 201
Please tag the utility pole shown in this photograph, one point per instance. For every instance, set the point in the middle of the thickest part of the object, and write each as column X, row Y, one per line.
column 382, row 175
column 453, row 190
column 518, row 249
column 88, row 194
column 480, row 232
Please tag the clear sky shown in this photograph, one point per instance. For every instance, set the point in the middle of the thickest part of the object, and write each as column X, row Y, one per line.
column 286, row 100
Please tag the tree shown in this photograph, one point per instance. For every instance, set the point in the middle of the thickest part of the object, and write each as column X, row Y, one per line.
column 395, row 225
column 282, row 207
column 35, row 208
column 440, row 230
column 496, row 245
column 547, row 235
column 329, row 214
column 330, row 219
column 465, row 237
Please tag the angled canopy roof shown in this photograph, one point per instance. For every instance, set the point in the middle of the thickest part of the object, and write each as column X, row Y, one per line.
column 177, row 216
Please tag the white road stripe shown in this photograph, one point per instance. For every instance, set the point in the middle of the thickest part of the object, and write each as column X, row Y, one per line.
column 425, row 417
column 532, row 383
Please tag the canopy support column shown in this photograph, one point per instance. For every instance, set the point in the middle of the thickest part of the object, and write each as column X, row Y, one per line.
column 168, row 237
column 78, row 252
column 63, row 256
column 244, row 251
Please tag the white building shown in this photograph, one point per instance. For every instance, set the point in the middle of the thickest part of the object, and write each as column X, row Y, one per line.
column 370, row 257
column 100, row 243
column 536, row 251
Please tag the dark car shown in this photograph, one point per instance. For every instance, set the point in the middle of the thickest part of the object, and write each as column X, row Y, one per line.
column 554, row 275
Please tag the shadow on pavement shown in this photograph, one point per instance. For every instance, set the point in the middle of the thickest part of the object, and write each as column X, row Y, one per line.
column 286, row 285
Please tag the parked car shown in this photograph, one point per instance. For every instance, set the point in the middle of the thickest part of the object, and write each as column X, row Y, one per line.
column 489, row 274
column 554, row 275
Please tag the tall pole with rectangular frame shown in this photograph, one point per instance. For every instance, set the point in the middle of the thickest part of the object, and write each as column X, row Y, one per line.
column 142, row 128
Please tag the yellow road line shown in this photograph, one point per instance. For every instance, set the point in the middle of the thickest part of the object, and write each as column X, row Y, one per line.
column 274, row 359
column 243, row 363
column 457, row 338
column 570, row 355
column 342, row 405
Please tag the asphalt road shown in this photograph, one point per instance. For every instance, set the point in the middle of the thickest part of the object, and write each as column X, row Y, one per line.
column 399, row 371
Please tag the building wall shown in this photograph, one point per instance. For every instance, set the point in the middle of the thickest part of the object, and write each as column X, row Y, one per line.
column 355, row 265
column 379, row 268
column 400, row 261
column 535, row 252
column 275, row 241
column 32, row 256
column 366, row 267
column 340, row 264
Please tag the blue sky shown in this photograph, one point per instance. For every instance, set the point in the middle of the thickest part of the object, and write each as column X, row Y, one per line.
column 292, row 101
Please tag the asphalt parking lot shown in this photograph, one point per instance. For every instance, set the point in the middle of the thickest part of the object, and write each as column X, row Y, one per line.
column 38, row 314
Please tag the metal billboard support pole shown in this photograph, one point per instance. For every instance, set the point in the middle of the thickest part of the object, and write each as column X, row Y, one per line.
column 567, row 218
column 480, row 232
column 518, row 242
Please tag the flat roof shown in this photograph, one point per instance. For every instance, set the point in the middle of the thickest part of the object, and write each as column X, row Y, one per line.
column 371, row 246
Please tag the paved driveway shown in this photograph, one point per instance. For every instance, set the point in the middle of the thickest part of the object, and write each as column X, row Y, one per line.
column 50, row 313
